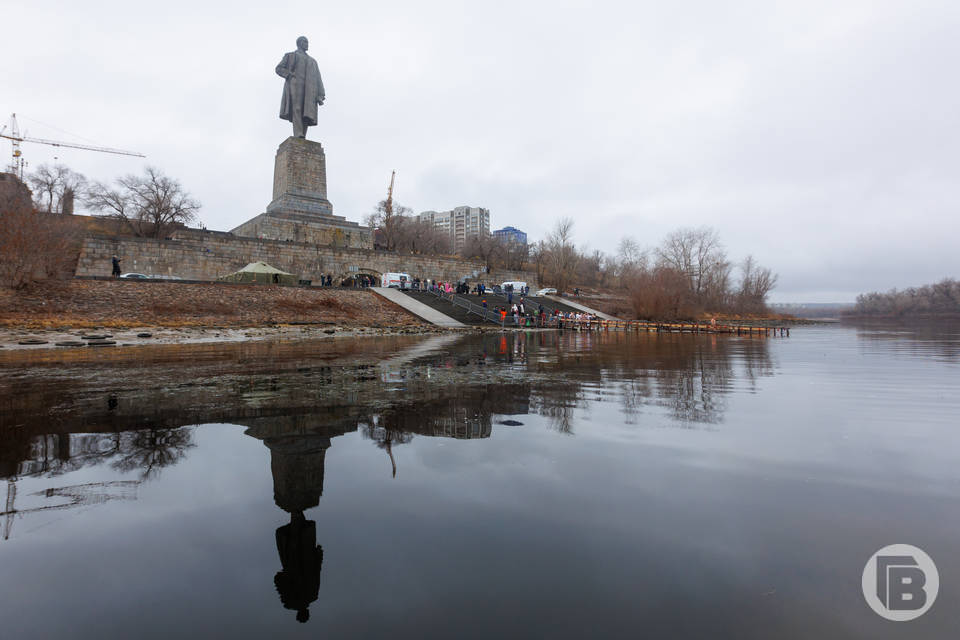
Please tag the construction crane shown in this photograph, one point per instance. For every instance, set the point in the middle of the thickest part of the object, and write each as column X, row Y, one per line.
column 80, row 495
column 388, row 206
column 17, row 164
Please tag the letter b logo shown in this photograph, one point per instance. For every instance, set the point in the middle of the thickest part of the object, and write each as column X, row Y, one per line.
column 900, row 582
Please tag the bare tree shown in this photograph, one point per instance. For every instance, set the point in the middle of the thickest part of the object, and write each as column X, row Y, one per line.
column 515, row 255
column 538, row 255
column 698, row 254
column 387, row 221
column 756, row 283
column 631, row 260
column 486, row 248
column 562, row 256
column 53, row 186
column 149, row 204
column 422, row 237
column 33, row 246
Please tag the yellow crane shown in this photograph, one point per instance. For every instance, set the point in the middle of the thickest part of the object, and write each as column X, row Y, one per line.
column 17, row 164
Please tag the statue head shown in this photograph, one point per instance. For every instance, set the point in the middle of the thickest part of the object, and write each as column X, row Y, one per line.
column 302, row 43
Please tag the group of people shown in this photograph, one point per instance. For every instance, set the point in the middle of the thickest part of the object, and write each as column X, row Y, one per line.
column 358, row 281
column 571, row 320
column 522, row 314
column 524, row 291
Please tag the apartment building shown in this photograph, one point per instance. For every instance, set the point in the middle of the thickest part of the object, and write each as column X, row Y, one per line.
column 460, row 223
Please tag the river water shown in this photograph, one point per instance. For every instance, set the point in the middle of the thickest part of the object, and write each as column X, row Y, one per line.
column 526, row 485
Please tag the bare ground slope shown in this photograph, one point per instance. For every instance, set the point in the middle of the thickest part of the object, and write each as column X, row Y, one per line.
column 118, row 303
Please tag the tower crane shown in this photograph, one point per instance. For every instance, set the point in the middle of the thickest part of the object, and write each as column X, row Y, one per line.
column 80, row 495
column 388, row 206
column 17, row 164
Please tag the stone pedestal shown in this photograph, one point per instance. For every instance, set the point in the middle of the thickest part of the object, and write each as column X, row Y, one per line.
column 300, row 179
column 300, row 211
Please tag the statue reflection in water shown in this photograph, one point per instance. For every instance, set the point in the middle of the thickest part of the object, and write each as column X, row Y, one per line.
column 296, row 462
column 298, row 583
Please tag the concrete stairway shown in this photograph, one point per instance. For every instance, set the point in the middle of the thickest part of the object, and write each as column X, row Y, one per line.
column 447, row 308
column 418, row 308
column 531, row 303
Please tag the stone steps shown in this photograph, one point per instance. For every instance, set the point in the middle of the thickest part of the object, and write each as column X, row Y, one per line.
column 447, row 308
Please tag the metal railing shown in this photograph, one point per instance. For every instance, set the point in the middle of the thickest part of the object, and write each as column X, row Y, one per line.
column 490, row 315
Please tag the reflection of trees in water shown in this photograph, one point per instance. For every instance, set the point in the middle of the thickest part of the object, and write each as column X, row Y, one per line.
column 557, row 403
column 689, row 375
column 150, row 450
column 452, row 393
column 385, row 438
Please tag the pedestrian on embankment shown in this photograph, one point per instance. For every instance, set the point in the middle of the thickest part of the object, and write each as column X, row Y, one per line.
column 116, row 267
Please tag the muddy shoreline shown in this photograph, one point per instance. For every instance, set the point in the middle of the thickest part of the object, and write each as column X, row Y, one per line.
column 70, row 338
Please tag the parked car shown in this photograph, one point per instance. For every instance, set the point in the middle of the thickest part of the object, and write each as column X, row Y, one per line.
column 135, row 276
column 548, row 291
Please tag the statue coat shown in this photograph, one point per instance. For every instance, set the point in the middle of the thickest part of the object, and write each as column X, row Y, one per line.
column 302, row 85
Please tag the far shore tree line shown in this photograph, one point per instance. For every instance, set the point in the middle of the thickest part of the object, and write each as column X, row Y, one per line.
column 940, row 299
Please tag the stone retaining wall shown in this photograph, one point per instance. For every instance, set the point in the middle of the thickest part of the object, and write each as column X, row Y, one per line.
column 208, row 255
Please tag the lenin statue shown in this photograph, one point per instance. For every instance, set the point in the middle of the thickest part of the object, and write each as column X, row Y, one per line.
column 302, row 88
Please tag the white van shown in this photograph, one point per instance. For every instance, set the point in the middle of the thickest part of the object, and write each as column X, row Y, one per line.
column 518, row 286
column 396, row 280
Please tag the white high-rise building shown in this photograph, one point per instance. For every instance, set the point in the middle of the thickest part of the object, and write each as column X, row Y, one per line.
column 461, row 223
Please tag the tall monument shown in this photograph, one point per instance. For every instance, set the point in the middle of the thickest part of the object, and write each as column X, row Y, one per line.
column 299, row 210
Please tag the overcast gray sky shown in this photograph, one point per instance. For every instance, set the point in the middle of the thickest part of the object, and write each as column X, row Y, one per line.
column 821, row 136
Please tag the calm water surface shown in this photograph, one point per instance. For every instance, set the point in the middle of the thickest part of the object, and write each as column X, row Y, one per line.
column 529, row 485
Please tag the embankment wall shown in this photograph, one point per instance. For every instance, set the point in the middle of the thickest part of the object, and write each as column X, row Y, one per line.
column 207, row 255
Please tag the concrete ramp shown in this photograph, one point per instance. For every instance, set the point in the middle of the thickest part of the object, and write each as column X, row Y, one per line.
column 576, row 305
column 416, row 308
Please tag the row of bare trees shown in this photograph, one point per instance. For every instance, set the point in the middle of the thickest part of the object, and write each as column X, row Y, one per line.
column 940, row 299
column 687, row 274
column 38, row 244
column 149, row 204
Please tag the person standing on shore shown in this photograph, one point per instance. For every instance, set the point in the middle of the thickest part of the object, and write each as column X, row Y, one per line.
column 116, row 267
